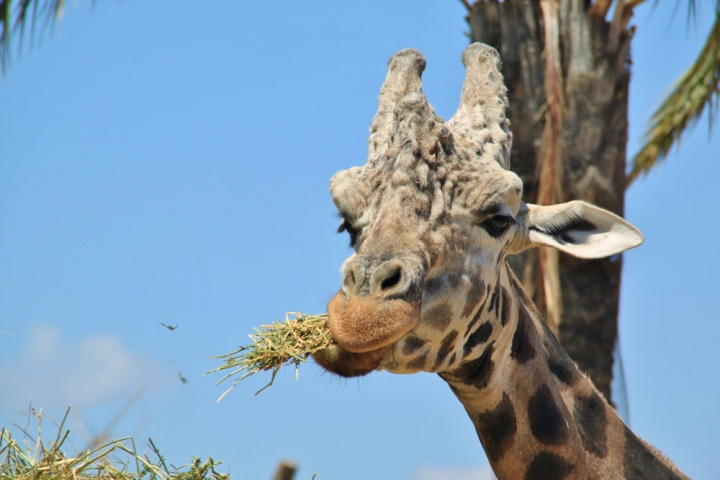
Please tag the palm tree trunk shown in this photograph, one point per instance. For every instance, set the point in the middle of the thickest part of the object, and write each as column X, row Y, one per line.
column 593, row 58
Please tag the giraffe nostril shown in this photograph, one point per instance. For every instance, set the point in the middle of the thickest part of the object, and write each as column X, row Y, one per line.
column 350, row 280
column 392, row 280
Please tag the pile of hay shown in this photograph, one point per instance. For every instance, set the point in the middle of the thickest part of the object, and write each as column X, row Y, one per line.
column 32, row 457
column 281, row 343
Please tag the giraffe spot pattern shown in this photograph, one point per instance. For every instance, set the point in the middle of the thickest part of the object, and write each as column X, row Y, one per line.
column 548, row 466
column 505, row 310
column 438, row 317
column 478, row 337
column 441, row 283
column 494, row 300
column 547, row 423
column 419, row 362
column 412, row 344
column 477, row 289
column 522, row 350
column 496, row 428
column 559, row 362
column 479, row 312
column 451, row 362
column 591, row 418
column 562, row 371
column 479, row 371
column 446, row 346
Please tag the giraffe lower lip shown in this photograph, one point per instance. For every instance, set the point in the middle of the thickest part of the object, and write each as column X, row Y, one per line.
column 338, row 360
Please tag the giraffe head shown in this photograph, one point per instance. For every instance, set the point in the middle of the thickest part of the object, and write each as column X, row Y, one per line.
column 431, row 217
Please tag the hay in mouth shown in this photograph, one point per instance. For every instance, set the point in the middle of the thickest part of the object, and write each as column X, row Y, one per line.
column 275, row 345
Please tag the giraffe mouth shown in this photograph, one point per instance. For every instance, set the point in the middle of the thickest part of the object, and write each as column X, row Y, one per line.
column 338, row 360
column 365, row 329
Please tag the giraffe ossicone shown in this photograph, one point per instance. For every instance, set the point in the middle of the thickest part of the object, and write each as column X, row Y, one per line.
column 431, row 217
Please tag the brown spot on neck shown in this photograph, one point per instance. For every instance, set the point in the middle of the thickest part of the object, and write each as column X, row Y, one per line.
column 497, row 428
column 446, row 346
column 548, row 466
column 522, row 349
column 477, row 372
column 592, row 421
column 547, row 423
column 438, row 317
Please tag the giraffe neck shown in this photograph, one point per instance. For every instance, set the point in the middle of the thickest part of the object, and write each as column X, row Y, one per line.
column 537, row 416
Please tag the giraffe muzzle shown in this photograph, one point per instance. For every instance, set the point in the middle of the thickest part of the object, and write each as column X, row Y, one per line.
column 362, row 324
column 379, row 303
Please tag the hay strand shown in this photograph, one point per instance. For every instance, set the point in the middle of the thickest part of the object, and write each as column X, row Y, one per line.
column 280, row 343
column 32, row 457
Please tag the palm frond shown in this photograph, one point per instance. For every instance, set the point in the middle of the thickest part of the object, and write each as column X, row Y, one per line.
column 15, row 15
column 692, row 9
column 698, row 88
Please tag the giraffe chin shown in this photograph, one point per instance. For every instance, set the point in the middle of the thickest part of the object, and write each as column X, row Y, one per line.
column 365, row 329
column 337, row 360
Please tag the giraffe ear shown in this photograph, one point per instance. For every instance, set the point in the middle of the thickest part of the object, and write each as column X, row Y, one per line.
column 579, row 229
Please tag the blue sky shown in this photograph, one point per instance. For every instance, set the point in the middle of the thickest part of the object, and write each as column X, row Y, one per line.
column 170, row 164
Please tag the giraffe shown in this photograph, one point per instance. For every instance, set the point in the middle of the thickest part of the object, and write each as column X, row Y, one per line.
column 431, row 217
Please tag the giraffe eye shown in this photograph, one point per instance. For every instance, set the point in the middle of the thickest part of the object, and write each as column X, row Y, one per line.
column 346, row 226
column 498, row 224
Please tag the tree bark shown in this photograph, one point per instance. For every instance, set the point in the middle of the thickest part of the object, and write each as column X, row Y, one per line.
column 594, row 54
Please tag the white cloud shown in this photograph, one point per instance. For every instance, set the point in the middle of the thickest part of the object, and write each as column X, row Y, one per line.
column 94, row 369
column 429, row 472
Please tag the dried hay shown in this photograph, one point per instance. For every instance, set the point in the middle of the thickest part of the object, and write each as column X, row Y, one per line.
column 275, row 345
column 32, row 457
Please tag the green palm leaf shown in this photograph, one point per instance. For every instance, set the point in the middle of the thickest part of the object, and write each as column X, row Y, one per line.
column 697, row 89
column 16, row 15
